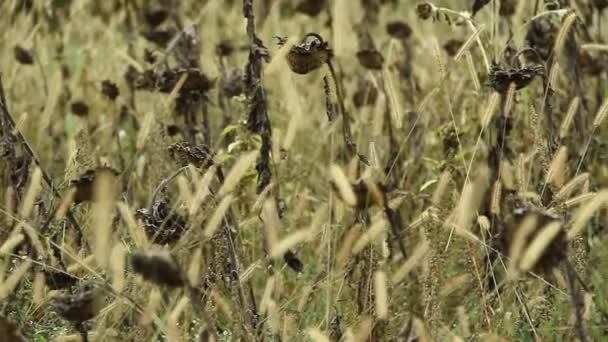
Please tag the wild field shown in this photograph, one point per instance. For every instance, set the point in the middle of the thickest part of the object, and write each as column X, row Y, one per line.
column 306, row 170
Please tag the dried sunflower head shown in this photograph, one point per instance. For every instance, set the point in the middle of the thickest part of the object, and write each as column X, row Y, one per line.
column 398, row 30
column 157, row 266
column 500, row 79
column 162, row 224
column 310, row 55
column 200, row 156
column 370, row 59
column 84, row 184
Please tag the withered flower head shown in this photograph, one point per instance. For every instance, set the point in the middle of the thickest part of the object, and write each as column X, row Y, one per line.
column 162, row 224
column 84, row 183
column 424, row 10
column 370, row 59
column 156, row 17
column 79, row 108
column 501, row 79
column 200, row 156
column 110, row 89
column 157, row 266
column 78, row 307
column 9, row 331
column 310, row 55
column 167, row 80
column 172, row 130
column 22, row 55
column 159, row 37
column 452, row 46
column 479, row 4
column 398, row 30
column 292, row 260
column 233, row 84
column 600, row 4
column 366, row 94
column 311, row 7
column 225, row 48
column 57, row 280
column 507, row 8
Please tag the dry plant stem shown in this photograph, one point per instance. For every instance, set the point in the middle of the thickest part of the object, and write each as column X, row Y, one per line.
column 82, row 330
column 257, row 120
column 163, row 184
column 47, row 178
column 351, row 147
column 577, row 302
column 466, row 17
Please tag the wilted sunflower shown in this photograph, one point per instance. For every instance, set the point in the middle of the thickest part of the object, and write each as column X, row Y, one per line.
column 310, row 55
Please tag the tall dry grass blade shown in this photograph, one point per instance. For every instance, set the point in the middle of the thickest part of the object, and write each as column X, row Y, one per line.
column 344, row 188
column 289, row 242
column 237, row 172
column 316, row 335
column 27, row 204
column 102, row 214
column 419, row 252
column 248, row 272
column 202, row 191
column 571, row 186
column 66, row 202
column 278, row 63
column 146, row 128
column 267, row 295
column 496, row 197
column 173, row 94
column 594, row 47
column 371, row 234
column 395, row 106
column 563, row 33
column 443, row 74
column 585, row 213
column 136, row 231
column 272, row 223
column 555, row 173
column 218, row 216
column 195, row 268
column 601, row 114
column 510, row 98
column 536, row 248
column 490, row 109
column 154, row 303
column 472, row 71
column 520, row 238
column 9, row 205
column 8, row 285
column 117, row 267
column 569, row 118
column 467, row 44
column 38, row 289
column 579, row 199
column 381, row 295
column 9, row 245
column 421, row 330
column 442, row 185
column 173, row 326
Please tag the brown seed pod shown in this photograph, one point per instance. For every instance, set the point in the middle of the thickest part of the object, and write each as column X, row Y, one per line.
column 366, row 94
column 167, row 80
column 200, row 156
column 156, row 17
column 233, row 83
column 398, row 30
column 311, row 7
column 309, row 55
column 424, row 10
column 22, row 55
column 292, row 260
column 57, row 280
column 370, row 59
column 159, row 37
column 79, row 307
column 79, row 108
column 110, row 90
column 452, row 46
column 9, row 331
column 83, row 185
column 157, row 266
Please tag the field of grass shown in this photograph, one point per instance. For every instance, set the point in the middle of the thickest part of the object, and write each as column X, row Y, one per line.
column 306, row 170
